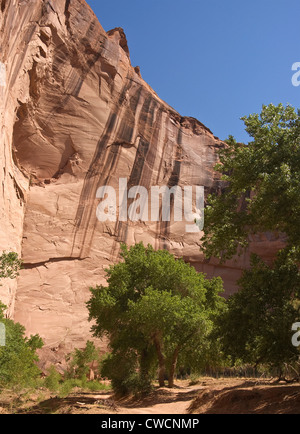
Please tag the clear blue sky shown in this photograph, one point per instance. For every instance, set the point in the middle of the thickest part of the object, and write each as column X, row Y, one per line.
column 215, row 60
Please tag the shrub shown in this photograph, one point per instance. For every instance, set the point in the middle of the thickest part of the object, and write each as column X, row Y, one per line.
column 53, row 379
column 18, row 357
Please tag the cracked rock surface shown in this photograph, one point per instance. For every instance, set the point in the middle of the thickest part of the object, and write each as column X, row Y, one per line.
column 75, row 115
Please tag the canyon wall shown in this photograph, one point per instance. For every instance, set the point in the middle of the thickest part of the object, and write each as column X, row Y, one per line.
column 75, row 116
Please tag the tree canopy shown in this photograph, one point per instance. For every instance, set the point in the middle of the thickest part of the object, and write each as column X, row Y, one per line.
column 18, row 356
column 153, row 306
column 256, row 326
column 262, row 184
column 260, row 194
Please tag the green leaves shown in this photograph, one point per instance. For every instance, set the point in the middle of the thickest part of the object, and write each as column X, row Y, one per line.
column 256, row 327
column 10, row 265
column 262, row 184
column 261, row 194
column 80, row 361
column 153, row 306
column 175, row 318
column 18, row 357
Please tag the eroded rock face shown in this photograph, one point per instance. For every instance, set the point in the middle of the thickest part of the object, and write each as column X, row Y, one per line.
column 75, row 116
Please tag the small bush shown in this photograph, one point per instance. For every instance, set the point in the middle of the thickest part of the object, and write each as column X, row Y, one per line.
column 67, row 386
column 81, row 360
column 53, row 379
column 18, row 357
column 95, row 386
column 125, row 379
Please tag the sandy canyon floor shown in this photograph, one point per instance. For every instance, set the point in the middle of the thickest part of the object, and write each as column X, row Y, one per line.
column 208, row 396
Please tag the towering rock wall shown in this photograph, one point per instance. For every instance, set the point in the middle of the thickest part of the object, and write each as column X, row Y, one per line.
column 16, row 57
column 75, row 116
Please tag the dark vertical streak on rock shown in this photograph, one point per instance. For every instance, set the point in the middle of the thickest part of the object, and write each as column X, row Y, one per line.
column 91, row 183
column 3, row 4
column 124, row 134
column 173, row 181
column 67, row 14
column 141, row 173
column 27, row 37
column 62, row 56
column 99, row 173
column 94, row 168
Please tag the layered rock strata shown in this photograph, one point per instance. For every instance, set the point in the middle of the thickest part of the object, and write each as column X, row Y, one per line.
column 75, row 115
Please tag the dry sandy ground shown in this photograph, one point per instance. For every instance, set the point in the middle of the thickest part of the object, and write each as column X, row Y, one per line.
column 209, row 396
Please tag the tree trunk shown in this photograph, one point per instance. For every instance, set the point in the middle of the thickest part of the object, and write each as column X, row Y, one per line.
column 161, row 362
column 173, row 367
column 144, row 365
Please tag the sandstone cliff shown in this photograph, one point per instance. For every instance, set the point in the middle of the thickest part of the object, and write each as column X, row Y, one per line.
column 76, row 115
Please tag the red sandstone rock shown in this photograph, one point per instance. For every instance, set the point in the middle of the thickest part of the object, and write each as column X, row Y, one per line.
column 76, row 115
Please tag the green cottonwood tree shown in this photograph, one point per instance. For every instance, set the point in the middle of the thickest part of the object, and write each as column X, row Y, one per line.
column 256, row 327
column 169, row 321
column 261, row 194
column 263, row 184
column 18, row 357
column 150, row 310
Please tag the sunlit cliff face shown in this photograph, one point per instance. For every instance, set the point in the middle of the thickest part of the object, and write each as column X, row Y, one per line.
column 75, row 115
